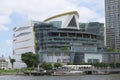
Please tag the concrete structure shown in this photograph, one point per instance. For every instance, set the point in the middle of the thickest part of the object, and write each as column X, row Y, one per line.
column 58, row 39
column 67, row 20
column 23, row 41
column 5, row 63
column 112, row 15
column 93, row 57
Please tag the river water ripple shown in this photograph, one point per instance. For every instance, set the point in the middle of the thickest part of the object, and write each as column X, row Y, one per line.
column 81, row 77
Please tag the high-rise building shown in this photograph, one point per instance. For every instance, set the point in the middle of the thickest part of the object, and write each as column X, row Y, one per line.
column 112, row 14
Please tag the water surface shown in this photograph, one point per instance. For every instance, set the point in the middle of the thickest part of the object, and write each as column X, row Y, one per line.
column 84, row 77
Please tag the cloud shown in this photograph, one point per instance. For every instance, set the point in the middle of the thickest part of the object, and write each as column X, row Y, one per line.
column 87, row 14
column 4, row 19
column 42, row 9
column 93, row 4
column 3, row 28
column 101, row 20
column 9, row 42
column 89, row 10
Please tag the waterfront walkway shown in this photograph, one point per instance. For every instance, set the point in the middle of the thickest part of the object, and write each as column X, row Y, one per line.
column 77, row 72
column 101, row 71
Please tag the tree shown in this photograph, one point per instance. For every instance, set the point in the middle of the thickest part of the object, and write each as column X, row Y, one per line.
column 100, row 65
column 118, row 64
column 30, row 59
column 12, row 61
column 46, row 66
column 109, row 50
column 57, row 65
column 112, row 50
column 69, row 63
column 83, row 63
column 64, row 48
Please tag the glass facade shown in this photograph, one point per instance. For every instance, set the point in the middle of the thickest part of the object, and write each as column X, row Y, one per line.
column 56, row 23
column 92, row 27
column 93, row 60
column 62, row 43
column 72, row 23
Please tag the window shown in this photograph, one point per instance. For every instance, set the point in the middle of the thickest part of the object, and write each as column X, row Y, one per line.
column 22, row 34
column 93, row 60
column 72, row 22
column 58, row 60
column 22, row 28
column 56, row 23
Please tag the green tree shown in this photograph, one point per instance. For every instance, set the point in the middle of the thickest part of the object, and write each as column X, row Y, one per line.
column 12, row 61
column 101, row 65
column 116, row 50
column 118, row 65
column 64, row 48
column 83, row 63
column 69, row 63
column 109, row 50
column 112, row 65
column 112, row 50
column 46, row 66
column 30, row 59
column 57, row 65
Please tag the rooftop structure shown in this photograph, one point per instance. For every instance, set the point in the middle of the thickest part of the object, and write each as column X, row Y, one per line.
column 65, row 20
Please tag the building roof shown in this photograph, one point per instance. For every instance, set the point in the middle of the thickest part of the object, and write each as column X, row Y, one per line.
column 59, row 15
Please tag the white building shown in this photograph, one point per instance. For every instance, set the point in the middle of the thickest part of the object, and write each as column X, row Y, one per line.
column 23, row 41
column 5, row 63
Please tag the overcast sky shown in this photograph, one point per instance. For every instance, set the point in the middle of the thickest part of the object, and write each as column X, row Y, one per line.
column 14, row 12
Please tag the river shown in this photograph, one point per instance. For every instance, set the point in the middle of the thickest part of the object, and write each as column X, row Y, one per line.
column 82, row 77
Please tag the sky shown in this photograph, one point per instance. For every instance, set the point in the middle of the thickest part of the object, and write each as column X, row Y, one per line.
column 15, row 12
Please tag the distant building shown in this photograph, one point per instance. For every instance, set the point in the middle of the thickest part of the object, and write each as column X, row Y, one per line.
column 111, row 57
column 112, row 18
column 5, row 63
